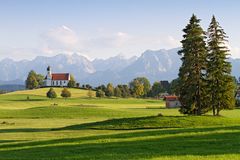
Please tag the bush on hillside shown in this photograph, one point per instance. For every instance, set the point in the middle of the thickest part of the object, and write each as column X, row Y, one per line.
column 100, row 93
column 51, row 93
column 65, row 93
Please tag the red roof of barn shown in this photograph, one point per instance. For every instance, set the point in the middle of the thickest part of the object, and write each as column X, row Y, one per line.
column 171, row 98
column 60, row 76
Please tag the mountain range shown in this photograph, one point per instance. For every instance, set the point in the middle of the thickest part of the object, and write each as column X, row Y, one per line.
column 155, row 65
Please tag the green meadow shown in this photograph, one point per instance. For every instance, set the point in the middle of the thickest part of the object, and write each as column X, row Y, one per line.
column 39, row 128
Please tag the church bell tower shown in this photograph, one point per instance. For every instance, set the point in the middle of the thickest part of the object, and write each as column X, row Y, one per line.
column 49, row 73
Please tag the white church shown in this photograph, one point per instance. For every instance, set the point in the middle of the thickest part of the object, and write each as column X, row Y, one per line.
column 56, row 79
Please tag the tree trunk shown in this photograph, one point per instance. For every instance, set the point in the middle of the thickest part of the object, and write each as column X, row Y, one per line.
column 213, row 105
column 198, row 96
column 214, row 113
column 218, row 104
column 218, row 108
column 198, row 87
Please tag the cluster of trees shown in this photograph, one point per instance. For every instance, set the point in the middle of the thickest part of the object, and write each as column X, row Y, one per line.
column 110, row 90
column 205, row 82
column 52, row 94
column 138, row 87
column 34, row 80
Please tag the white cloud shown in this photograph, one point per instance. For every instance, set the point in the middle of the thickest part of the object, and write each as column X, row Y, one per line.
column 19, row 53
column 102, row 44
column 106, row 45
column 108, row 41
column 171, row 42
column 235, row 52
column 60, row 39
column 122, row 39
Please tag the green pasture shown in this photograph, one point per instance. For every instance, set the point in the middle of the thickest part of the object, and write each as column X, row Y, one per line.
column 39, row 128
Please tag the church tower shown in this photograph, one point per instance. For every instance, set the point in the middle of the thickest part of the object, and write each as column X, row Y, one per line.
column 48, row 78
column 49, row 73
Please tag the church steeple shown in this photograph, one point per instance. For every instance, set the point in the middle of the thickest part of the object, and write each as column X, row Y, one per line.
column 49, row 73
column 48, row 68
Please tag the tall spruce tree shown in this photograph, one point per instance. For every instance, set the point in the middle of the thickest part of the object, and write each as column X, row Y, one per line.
column 220, row 81
column 192, row 73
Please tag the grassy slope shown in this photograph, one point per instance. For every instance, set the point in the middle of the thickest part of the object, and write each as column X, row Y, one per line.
column 43, row 91
column 158, row 122
column 82, row 128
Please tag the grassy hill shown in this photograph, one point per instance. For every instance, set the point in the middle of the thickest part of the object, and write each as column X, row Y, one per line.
column 110, row 128
column 42, row 92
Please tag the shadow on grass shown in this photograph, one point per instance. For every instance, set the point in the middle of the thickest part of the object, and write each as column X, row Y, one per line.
column 153, row 107
column 140, row 123
column 9, row 141
column 154, row 122
column 117, row 124
column 85, row 105
column 28, row 100
column 16, row 130
column 154, row 101
column 144, row 145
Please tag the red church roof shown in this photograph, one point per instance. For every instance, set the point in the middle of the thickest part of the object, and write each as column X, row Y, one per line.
column 170, row 98
column 60, row 76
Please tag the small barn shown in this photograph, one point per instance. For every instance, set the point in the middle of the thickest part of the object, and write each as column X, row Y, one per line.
column 172, row 101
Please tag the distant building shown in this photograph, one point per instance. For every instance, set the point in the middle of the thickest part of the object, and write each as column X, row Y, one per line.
column 162, row 95
column 56, row 79
column 237, row 95
column 172, row 102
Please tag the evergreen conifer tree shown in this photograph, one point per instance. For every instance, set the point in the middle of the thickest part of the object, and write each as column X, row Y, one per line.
column 192, row 73
column 220, row 81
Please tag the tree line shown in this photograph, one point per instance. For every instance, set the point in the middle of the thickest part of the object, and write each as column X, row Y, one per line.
column 139, row 87
column 205, row 82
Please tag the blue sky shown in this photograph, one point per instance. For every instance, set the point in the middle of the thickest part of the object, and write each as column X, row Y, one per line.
column 104, row 28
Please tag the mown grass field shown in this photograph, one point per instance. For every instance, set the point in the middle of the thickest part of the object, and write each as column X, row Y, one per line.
column 110, row 128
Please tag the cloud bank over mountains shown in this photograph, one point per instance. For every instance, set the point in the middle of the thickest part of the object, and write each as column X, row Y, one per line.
column 101, row 44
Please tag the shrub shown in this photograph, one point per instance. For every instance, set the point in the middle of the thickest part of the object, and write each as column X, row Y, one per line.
column 65, row 93
column 51, row 93
column 100, row 93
